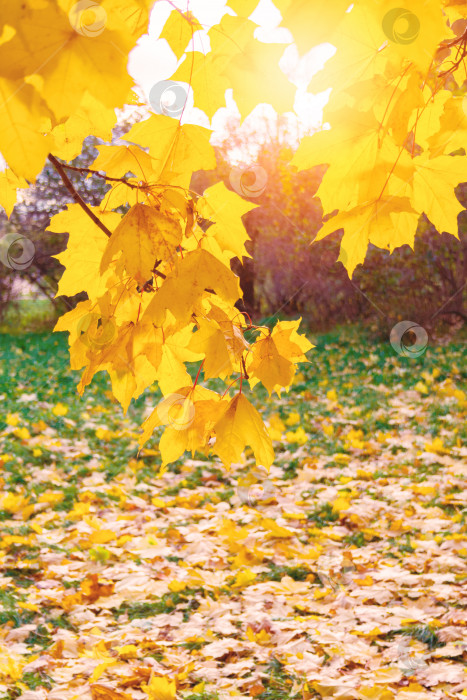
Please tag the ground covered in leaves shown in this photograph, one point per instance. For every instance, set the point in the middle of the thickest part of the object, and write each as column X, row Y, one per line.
column 340, row 574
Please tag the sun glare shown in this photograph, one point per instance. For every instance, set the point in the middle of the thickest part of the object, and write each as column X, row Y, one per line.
column 152, row 60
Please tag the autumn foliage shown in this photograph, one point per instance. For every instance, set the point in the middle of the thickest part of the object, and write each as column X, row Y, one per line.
column 161, row 291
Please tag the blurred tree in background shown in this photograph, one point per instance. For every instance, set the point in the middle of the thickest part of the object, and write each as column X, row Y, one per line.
column 285, row 275
column 31, row 217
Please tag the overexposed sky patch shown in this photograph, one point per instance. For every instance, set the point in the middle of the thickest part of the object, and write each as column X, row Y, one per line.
column 152, row 61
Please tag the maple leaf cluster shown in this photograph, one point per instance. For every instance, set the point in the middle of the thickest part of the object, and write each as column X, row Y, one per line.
column 398, row 120
column 161, row 292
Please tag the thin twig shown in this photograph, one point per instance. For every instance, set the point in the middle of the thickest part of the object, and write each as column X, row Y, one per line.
column 68, row 184
column 99, row 174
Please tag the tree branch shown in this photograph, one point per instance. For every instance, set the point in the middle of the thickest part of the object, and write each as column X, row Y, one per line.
column 98, row 174
column 76, row 197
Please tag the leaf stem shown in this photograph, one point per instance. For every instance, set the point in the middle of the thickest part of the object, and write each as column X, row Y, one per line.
column 230, row 385
column 197, row 376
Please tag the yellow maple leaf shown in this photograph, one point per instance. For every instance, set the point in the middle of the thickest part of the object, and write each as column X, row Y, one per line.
column 274, row 529
column 60, row 409
column 177, row 586
column 90, row 117
column 222, row 347
column 103, row 692
column 193, row 277
column 340, row 504
column 85, row 247
column 180, row 149
column 10, row 666
column 309, row 24
column 262, row 637
column 101, row 536
column 189, row 414
column 127, row 651
column 117, row 161
column 160, row 688
column 226, row 208
column 421, row 388
column 436, row 446
column 239, row 426
column 65, row 53
column 243, row 578
column 293, row 418
column 246, row 65
column 143, row 235
column 101, row 668
column 431, row 190
column 275, row 427
column 9, row 184
column 12, row 419
column 22, row 433
column 178, row 32
column 265, row 364
column 298, row 436
column 22, row 143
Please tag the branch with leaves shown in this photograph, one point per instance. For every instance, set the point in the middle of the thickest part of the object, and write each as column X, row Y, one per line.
column 161, row 291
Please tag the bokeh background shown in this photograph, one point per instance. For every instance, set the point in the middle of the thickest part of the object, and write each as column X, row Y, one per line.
column 287, row 274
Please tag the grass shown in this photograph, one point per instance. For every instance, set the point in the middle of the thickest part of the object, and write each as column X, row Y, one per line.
column 62, row 471
column 29, row 315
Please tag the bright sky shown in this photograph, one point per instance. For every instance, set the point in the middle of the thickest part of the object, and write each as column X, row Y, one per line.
column 152, row 60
